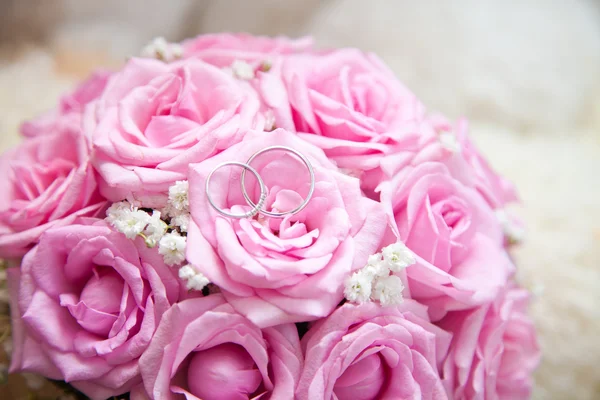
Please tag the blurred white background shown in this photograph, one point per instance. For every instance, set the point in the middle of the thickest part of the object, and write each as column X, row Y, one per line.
column 525, row 64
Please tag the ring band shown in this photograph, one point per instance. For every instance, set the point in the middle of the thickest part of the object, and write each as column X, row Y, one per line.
column 257, row 207
column 271, row 213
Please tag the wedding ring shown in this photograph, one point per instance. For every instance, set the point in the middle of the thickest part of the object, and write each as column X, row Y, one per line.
column 256, row 207
column 279, row 214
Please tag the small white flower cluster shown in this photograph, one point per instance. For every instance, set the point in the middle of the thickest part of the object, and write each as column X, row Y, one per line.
column 161, row 49
column 376, row 282
column 195, row 280
column 133, row 222
column 178, row 208
column 166, row 229
column 242, row 70
column 449, row 142
column 172, row 247
column 513, row 232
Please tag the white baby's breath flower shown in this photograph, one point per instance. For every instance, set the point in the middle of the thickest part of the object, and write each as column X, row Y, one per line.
column 449, row 142
column 186, row 272
column 376, row 267
column 156, row 48
column 182, row 221
column 178, row 198
column 374, row 259
column 397, row 256
column 132, row 223
column 117, row 211
column 197, row 282
column 161, row 49
column 358, row 287
column 155, row 230
column 172, row 247
column 388, row 290
column 194, row 280
column 242, row 70
column 176, row 50
column 513, row 232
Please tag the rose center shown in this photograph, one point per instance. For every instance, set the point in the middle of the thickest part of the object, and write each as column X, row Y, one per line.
column 454, row 213
column 363, row 380
column 103, row 291
column 365, row 90
column 35, row 180
column 225, row 371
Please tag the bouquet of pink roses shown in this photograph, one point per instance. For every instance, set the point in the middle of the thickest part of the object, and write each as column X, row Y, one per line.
column 237, row 217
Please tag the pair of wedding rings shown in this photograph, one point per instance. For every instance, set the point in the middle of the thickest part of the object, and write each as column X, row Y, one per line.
column 257, row 208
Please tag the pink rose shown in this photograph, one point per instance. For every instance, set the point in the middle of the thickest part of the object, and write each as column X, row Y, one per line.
column 458, row 241
column 367, row 352
column 47, row 182
column 494, row 350
column 281, row 270
column 155, row 118
column 465, row 162
column 349, row 104
column 496, row 190
column 85, row 93
column 70, row 110
column 223, row 49
column 257, row 57
column 204, row 350
column 86, row 305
